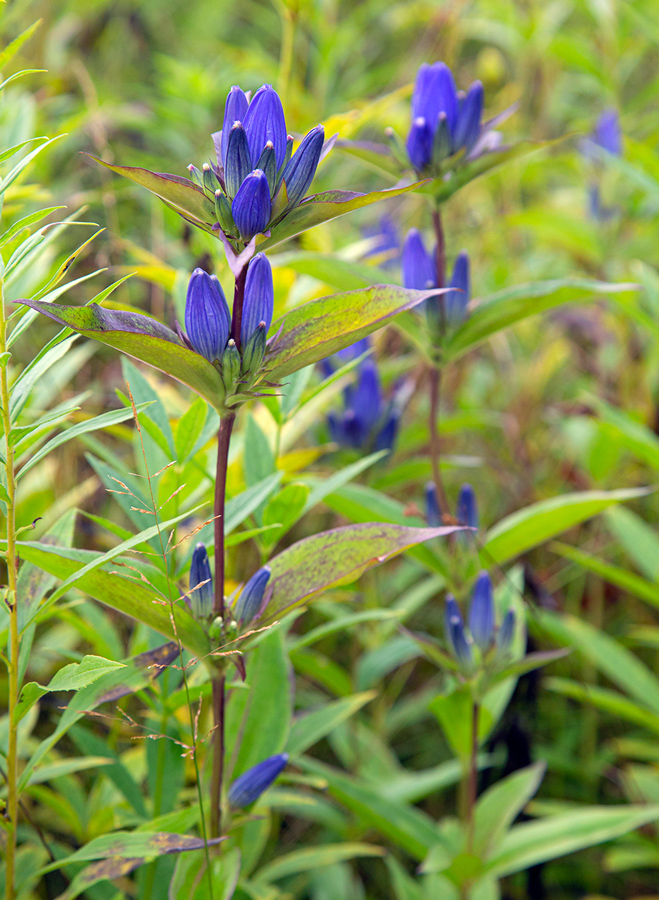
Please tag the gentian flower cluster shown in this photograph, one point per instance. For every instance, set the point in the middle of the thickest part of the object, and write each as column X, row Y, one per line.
column 257, row 177
column 446, row 311
column 368, row 422
column 445, row 121
column 252, row 783
column 482, row 639
column 466, row 511
column 208, row 322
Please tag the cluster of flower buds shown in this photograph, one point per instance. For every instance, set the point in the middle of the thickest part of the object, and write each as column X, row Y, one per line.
column 368, row 422
column 482, row 640
column 252, row 783
column 446, row 311
column 208, row 322
column 257, row 177
column 466, row 512
column 444, row 120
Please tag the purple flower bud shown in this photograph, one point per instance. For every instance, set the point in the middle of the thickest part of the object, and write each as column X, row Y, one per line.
column 434, row 93
column 506, row 632
column 259, row 299
column 207, row 317
column 386, row 436
column 201, row 599
column 249, row 601
column 419, row 270
column 264, row 121
column 252, row 783
column 468, row 124
column 456, row 301
column 365, row 397
column 238, row 164
column 251, row 207
column 481, row 612
column 607, row 133
column 467, row 509
column 454, row 633
column 301, row 169
column 419, row 143
column 234, row 111
column 433, row 514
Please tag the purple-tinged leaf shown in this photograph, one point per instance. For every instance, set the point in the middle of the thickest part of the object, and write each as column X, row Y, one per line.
column 322, row 327
column 144, row 339
column 337, row 557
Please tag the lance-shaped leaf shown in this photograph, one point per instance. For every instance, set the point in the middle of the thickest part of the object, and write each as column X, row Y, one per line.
column 322, row 327
column 109, row 586
column 179, row 193
column 332, row 558
column 511, row 305
column 323, row 207
column 142, row 338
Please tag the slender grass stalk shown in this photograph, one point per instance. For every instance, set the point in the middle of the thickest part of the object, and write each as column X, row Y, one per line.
column 472, row 776
column 12, row 606
column 435, row 375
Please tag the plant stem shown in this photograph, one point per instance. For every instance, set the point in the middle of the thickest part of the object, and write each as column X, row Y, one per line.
column 223, row 441
column 12, row 606
column 435, row 375
column 472, row 777
column 238, row 298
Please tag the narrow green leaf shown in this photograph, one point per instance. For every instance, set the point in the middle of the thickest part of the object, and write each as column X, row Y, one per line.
column 310, row 727
column 313, row 858
column 500, row 805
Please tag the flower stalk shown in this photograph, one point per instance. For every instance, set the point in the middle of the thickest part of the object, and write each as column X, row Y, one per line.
column 12, row 661
column 435, row 374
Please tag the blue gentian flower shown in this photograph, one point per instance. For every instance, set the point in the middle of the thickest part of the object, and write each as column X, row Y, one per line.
column 368, row 422
column 481, row 612
column 251, row 596
column 506, row 632
column 201, row 584
column 259, row 299
column 419, row 267
column 385, row 241
column 444, row 121
column 457, row 301
column 254, row 150
column 606, row 134
column 207, row 317
column 420, row 273
column 454, row 632
column 252, row 783
column 433, row 512
column 467, row 508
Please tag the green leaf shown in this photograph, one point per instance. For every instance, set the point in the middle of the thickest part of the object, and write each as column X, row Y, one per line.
column 333, row 558
column 144, row 339
column 409, row 828
column 607, row 700
column 189, row 429
column 638, row 438
column 639, row 540
column 285, row 508
column 341, row 274
column 454, row 713
column 537, row 523
column 511, row 305
column 180, row 193
column 612, row 659
column 129, row 596
column 310, row 727
column 336, row 480
column 313, row 858
column 500, row 805
column 324, row 207
column 12, row 49
column 319, row 328
column 535, row 842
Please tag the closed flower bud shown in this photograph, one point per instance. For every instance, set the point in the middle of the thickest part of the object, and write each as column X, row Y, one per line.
column 419, row 143
column 419, row 269
column 290, row 142
column 433, row 514
column 251, row 596
column 234, row 111
column 268, row 165
column 252, row 783
column 300, row 171
column 238, row 163
column 441, row 143
column 259, row 299
column 196, row 176
column 457, row 301
column 264, row 121
column 230, row 365
column 468, row 125
column 223, row 213
column 254, row 351
column 210, row 179
column 251, row 206
column 481, row 612
column 454, row 633
column 434, row 93
column 386, row 436
column 201, row 584
column 207, row 317
column 467, row 509
column 506, row 632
